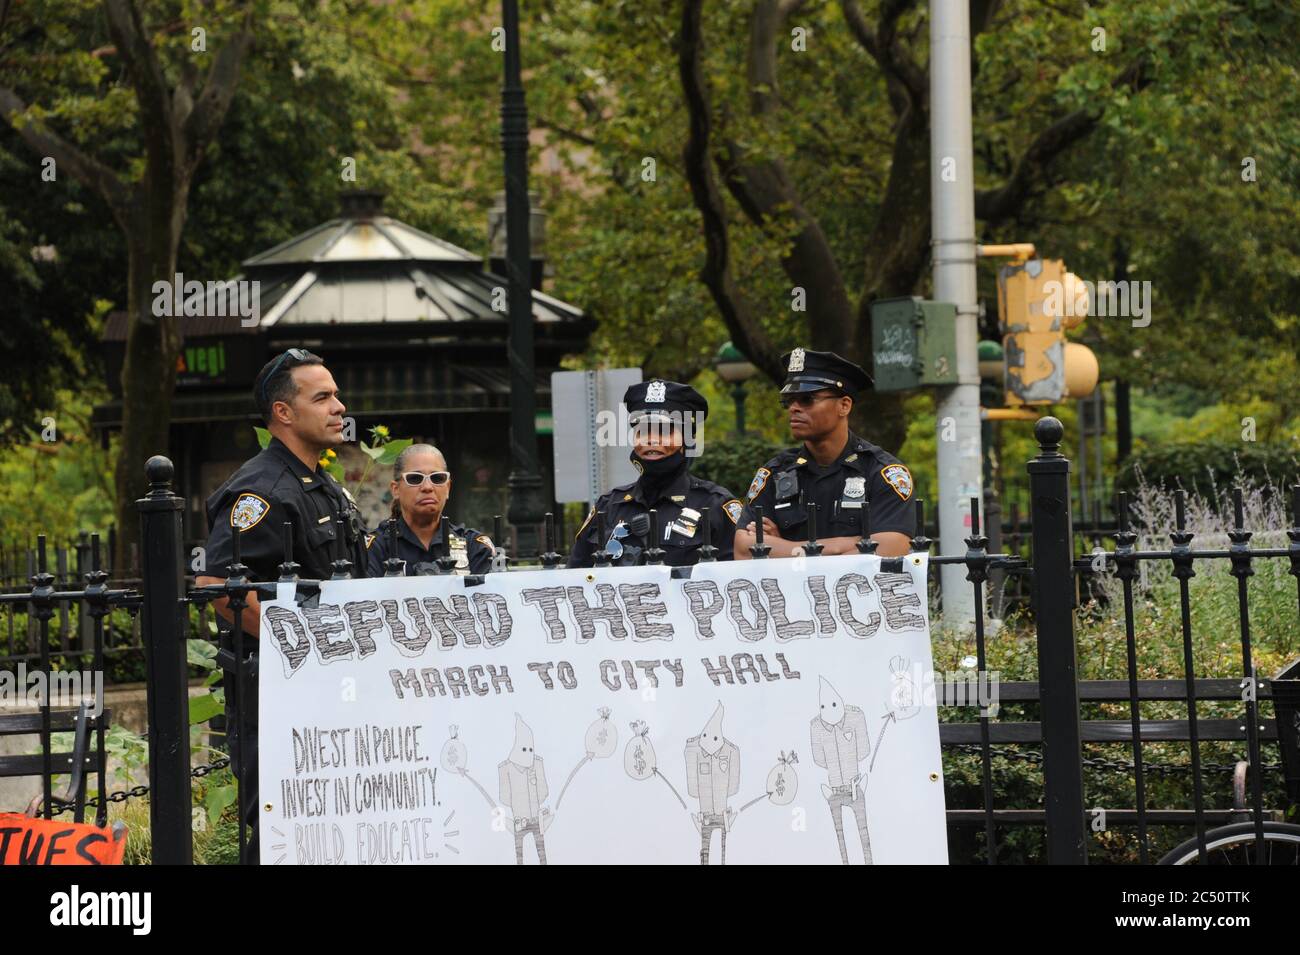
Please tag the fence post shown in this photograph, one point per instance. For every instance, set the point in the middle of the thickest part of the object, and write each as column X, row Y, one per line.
column 162, row 574
column 1053, row 590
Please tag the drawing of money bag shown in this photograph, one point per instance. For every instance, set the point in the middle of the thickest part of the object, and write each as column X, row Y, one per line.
column 639, row 756
column 783, row 781
column 602, row 736
column 904, row 696
column 454, row 756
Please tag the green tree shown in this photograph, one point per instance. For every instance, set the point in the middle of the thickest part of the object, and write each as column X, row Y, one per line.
column 154, row 119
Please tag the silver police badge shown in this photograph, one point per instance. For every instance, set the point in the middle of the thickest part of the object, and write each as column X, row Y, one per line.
column 855, row 486
column 796, row 360
column 654, row 395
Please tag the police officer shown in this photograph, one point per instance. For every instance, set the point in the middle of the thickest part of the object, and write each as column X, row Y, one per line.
column 834, row 468
column 299, row 401
column 665, row 415
column 421, row 486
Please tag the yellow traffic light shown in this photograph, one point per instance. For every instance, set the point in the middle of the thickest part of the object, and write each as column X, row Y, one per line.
column 1037, row 301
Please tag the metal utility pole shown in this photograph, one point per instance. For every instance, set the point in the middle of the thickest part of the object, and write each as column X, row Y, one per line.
column 952, row 193
column 525, row 481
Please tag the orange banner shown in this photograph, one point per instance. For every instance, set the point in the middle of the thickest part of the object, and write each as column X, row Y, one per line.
column 28, row 841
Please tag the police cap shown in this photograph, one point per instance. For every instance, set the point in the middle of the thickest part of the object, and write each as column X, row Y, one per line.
column 666, row 401
column 808, row 370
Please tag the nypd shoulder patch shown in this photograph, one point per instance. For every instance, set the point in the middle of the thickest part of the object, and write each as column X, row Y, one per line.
column 485, row 541
column 760, row 481
column 733, row 510
column 247, row 511
column 370, row 539
column 590, row 515
column 899, row 478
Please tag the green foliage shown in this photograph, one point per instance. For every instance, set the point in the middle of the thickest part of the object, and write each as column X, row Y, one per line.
column 732, row 463
column 58, row 487
column 1208, row 467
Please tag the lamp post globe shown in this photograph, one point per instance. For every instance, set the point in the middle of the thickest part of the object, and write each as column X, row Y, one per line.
column 735, row 369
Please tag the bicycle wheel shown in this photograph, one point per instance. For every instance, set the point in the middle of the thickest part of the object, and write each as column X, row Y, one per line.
column 1235, row 845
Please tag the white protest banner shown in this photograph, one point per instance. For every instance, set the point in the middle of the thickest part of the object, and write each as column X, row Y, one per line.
column 751, row 712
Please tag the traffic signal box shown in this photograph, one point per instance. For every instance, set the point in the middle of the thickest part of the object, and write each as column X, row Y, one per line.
column 914, row 343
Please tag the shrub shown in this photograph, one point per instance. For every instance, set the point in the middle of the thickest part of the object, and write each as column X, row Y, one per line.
column 1208, row 467
column 732, row 463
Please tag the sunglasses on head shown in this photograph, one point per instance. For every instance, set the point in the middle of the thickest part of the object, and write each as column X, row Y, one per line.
column 805, row 399
column 297, row 354
column 417, row 478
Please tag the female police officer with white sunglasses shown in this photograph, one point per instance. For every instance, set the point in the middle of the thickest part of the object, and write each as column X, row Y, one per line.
column 421, row 486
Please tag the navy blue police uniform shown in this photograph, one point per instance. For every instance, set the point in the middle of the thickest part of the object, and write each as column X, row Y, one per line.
column 863, row 481
column 269, row 489
column 684, row 504
column 473, row 551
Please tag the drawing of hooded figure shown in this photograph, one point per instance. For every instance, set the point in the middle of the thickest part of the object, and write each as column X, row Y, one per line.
column 524, row 790
column 712, row 776
column 839, row 744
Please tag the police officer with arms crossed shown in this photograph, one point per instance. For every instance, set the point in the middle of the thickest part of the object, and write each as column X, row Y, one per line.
column 661, row 412
column 299, row 401
column 421, row 486
column 834, row 468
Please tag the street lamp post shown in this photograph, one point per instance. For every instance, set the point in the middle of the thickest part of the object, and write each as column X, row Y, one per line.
column 525, row 480
column 735, row 369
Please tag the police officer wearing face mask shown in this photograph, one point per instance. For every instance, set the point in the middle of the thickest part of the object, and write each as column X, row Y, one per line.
column 665, row 415
column 841, row 473
column 300, row 403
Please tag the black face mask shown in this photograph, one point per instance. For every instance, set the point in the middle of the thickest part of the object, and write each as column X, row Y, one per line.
column 659, row 474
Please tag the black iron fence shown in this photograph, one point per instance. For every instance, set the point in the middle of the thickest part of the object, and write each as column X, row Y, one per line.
column 1037, row 722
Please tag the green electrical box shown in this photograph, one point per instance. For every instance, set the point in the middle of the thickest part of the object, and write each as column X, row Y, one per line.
column 913, row 343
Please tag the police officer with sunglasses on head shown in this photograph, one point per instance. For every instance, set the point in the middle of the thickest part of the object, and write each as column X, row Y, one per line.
column 421, row 486
column 846, row 477
column 300, row 403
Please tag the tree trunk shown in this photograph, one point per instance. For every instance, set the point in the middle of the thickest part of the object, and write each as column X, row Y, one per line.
column 896, row 255
column 149, row 371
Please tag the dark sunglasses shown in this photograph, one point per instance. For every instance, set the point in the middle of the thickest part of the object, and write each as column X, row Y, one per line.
column 417, row 478
column 804, row 399
column 297, row 354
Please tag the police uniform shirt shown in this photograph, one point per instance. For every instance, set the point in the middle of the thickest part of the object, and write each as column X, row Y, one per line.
column 682, row 509
column 269, row 489
column 862, row 477
column 473, row 551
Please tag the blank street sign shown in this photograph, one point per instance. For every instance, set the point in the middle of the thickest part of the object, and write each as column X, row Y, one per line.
column 585, row 405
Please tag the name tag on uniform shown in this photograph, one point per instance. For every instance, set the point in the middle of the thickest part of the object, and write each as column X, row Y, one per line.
column 687, row 522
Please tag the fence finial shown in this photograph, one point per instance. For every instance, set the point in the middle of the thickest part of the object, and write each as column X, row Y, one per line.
column 160, row 471
column 1048, row 432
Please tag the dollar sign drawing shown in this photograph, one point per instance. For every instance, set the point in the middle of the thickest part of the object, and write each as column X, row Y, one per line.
column 640, row 762
column 780, row 785
column 602, row 736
